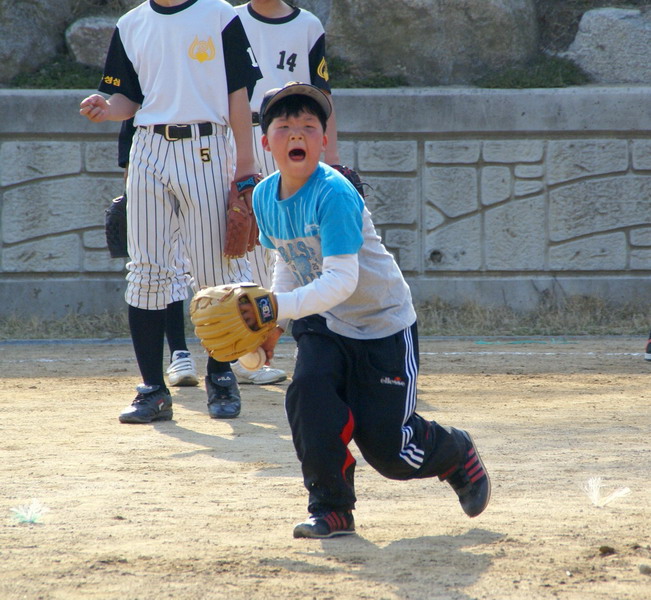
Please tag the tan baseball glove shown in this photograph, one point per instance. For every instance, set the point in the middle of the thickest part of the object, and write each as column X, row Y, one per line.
column 220, row 326
column 241, row 226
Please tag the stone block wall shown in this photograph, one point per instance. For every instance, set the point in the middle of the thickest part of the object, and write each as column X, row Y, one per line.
column 496, row 197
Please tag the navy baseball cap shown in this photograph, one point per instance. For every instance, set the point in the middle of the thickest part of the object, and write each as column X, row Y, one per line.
column 291, row 89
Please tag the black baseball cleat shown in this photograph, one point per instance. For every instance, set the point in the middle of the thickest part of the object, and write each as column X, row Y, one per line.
column 224, row 400
column 153, row 403
column 326, row 525
column 647, row 351
column 470, row 480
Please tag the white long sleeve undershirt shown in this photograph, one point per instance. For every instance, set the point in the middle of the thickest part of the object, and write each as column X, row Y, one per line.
column 336, row 284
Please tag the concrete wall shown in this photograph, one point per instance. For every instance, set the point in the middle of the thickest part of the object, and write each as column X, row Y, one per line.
column 493, row 196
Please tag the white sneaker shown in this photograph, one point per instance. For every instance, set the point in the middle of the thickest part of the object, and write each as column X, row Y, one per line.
column 182, row 371
column 263, row 376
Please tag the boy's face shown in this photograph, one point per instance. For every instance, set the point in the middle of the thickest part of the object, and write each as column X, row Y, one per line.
column 296, row 143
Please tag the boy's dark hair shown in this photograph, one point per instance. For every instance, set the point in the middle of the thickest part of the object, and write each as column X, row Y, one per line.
column 292, row 106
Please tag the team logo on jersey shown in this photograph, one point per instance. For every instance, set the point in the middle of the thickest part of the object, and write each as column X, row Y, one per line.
column 322, row 70
column 112, row 81
column 202, row 50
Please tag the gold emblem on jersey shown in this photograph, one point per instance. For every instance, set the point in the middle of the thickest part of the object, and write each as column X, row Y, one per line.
column 202, row 50
column 116, row 81
column 322, row 70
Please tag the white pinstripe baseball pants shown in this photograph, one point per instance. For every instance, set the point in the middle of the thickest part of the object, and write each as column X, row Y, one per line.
column 177, row 194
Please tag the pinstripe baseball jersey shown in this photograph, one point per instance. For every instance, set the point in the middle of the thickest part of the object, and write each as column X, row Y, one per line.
column 327, row 217
column 178, row 61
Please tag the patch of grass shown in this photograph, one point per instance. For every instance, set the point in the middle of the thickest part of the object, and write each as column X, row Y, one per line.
column 73, row 326
column 60, row 73
column 543, row 72
column 576, row 315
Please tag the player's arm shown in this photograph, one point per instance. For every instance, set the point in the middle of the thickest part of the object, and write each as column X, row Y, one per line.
column 119, row 83
column 334, row 286
column 98, row 109
column 338, row 281
column 240, row 121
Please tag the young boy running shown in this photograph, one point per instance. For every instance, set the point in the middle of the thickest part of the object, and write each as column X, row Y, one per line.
column 355, row 326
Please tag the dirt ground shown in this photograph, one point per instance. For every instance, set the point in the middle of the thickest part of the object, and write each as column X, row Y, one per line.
column 201, row 509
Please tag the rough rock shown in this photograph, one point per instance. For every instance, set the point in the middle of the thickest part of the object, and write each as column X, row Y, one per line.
column 612, row 45
column 432, row 42
column 32, row 32
column 321, row 8
column 88, row 39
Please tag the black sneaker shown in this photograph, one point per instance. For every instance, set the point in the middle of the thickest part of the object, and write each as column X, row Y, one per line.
column 223, row 395
column 647, row 352
column 326, row 525
column 470, row 480
column 153, row 403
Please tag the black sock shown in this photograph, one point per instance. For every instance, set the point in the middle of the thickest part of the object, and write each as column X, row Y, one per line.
column 175, row 327
column 148, row 337
column 215, row 366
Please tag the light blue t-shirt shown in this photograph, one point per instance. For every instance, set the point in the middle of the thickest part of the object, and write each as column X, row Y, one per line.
column 327, row 217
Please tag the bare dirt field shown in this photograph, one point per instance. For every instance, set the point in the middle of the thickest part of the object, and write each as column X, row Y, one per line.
column 201, row 509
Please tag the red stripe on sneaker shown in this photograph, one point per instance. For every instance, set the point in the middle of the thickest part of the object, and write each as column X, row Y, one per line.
column 478, row 476
column 470, row 463
column 472, row 471
column 334, row 521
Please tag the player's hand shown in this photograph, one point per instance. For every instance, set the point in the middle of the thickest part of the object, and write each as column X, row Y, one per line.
column 95, row 108
column 270, row 343
column 249, row 314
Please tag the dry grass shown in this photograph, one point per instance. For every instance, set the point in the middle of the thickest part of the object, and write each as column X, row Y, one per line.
column 576, row 315
column 103, row 326
column 573, row 316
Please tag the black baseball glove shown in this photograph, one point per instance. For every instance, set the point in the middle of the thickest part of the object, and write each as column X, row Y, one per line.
column 353, row 177
column 115, row 226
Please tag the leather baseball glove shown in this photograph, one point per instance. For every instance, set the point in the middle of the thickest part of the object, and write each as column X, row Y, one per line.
column 219, row 324
column 353, row 177
column 241, row 226
column 115, row 226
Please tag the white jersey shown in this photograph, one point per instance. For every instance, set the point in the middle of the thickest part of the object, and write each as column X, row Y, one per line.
column 177, row 62
column 287, row 49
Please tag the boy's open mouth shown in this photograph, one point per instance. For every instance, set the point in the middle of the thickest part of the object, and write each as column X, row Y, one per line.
column 297, row 154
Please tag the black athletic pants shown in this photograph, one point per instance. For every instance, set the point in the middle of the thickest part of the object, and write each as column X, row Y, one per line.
column 364, row 390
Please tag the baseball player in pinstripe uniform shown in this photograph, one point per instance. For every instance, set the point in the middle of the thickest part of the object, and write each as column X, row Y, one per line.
column 182, row 370
column 185, row 69
column 355, row 326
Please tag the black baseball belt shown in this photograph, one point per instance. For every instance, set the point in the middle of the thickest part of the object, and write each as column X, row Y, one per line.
column 181, row 132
